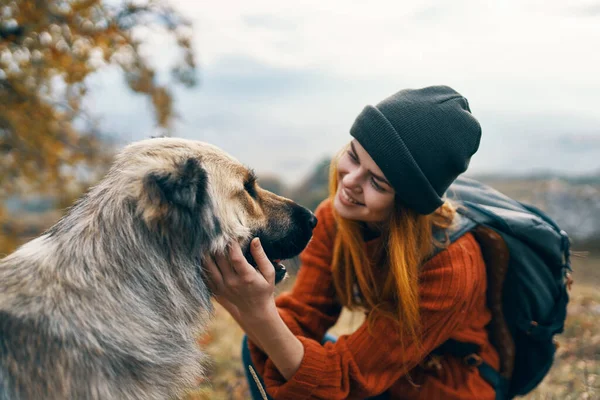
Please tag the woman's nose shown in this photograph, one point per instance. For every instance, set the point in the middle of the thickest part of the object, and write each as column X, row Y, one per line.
column 352, row 180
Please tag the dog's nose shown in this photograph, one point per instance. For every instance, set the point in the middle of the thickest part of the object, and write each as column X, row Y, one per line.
column 313, row 221
column 304, row 217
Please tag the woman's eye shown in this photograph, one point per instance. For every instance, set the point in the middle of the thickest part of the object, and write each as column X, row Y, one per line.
column 376, row 185
column 353, row 157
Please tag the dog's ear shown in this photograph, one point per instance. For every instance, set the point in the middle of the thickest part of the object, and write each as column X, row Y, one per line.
column 178, row 193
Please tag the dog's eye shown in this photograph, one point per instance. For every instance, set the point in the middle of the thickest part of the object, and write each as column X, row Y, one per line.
column 250, row 186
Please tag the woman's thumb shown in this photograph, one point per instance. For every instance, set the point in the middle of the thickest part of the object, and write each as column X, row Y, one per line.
column 262, row 261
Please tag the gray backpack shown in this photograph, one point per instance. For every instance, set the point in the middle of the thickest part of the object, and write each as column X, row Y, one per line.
column 528, row 268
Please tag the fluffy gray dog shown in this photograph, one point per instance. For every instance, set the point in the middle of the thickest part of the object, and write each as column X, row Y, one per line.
column 109, row 302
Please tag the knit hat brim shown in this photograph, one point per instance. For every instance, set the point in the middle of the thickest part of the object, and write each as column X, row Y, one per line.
column 373, row 131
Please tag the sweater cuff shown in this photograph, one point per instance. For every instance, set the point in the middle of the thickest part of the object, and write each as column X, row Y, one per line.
column 305, row 380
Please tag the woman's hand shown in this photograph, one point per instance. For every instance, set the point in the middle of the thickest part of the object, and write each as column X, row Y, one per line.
column 247, row 293
column 244, row 291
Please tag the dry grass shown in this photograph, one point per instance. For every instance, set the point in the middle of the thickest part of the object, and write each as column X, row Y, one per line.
column 576, row 370
column 574, row 375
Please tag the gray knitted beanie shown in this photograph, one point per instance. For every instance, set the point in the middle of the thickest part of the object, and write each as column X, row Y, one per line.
column 421, row 140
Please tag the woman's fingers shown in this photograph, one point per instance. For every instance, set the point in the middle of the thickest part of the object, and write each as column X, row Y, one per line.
column 232, row 269
column 215, row 278
column 238, row 262
column 265, row 266
column 241, row 288
column 225, row 266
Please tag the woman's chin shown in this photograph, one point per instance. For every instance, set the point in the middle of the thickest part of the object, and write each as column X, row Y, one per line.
column 339, row 207
column 343, row 210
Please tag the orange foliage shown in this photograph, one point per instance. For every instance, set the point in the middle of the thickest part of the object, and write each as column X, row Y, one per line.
column 47, row 50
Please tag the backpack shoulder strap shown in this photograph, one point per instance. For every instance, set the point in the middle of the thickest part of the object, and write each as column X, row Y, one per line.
column 461, row 224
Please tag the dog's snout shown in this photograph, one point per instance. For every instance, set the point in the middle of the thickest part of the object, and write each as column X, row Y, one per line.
column 313, row 221
column 286, row 238
column 304, row 217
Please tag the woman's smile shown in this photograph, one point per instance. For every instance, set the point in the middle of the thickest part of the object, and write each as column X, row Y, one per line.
column 347, row 199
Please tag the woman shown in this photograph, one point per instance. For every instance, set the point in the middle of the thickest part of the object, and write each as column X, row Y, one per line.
column 371, row 251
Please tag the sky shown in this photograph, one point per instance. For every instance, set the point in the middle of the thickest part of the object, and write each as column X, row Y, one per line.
column 281, row 82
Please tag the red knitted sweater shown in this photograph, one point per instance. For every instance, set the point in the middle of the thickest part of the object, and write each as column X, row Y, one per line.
column 369, row 362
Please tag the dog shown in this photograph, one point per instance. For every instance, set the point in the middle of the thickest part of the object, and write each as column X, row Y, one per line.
column 109, row 302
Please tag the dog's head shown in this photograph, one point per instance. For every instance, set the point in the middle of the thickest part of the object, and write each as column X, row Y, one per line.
column 194, row 193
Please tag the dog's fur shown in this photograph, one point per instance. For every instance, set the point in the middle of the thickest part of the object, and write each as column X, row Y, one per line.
column 109, row 302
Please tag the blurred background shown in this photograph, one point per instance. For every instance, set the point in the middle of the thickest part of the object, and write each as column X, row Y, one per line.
column 278, row 85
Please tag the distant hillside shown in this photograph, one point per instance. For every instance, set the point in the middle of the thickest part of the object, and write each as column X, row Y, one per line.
column 314, row 189
column 592, row 178
column 574, row 203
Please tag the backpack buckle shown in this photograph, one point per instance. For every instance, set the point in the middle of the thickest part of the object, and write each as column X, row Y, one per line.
column 473, row 360
column 569, row 280
column 566, row 249
column 433, row 363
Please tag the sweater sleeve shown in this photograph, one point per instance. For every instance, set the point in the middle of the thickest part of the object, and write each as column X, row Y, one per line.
column 311, row 308
column 369, row 361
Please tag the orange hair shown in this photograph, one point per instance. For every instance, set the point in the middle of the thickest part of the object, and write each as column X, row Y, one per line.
column 388, row 286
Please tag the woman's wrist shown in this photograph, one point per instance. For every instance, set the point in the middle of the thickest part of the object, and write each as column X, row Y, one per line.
column 277, row 341
column 265, row 314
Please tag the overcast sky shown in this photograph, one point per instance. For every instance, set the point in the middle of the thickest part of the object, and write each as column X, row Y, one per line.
column 281, row 82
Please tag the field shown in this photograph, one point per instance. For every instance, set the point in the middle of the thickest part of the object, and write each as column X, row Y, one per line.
column 575, row 374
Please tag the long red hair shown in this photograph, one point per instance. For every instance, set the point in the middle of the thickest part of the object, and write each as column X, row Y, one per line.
column 388, row 286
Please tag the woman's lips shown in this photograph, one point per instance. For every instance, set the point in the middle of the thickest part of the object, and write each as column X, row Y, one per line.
column 347, row 199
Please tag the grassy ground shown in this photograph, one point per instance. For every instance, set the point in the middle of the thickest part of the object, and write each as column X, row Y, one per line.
column 574, row 375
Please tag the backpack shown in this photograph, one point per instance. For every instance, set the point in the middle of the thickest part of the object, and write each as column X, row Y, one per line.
column 527, row 259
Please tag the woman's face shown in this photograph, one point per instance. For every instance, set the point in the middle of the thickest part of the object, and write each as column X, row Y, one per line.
column 363, row 192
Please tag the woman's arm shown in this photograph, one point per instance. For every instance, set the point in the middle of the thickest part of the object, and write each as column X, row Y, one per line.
column 277, row 341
